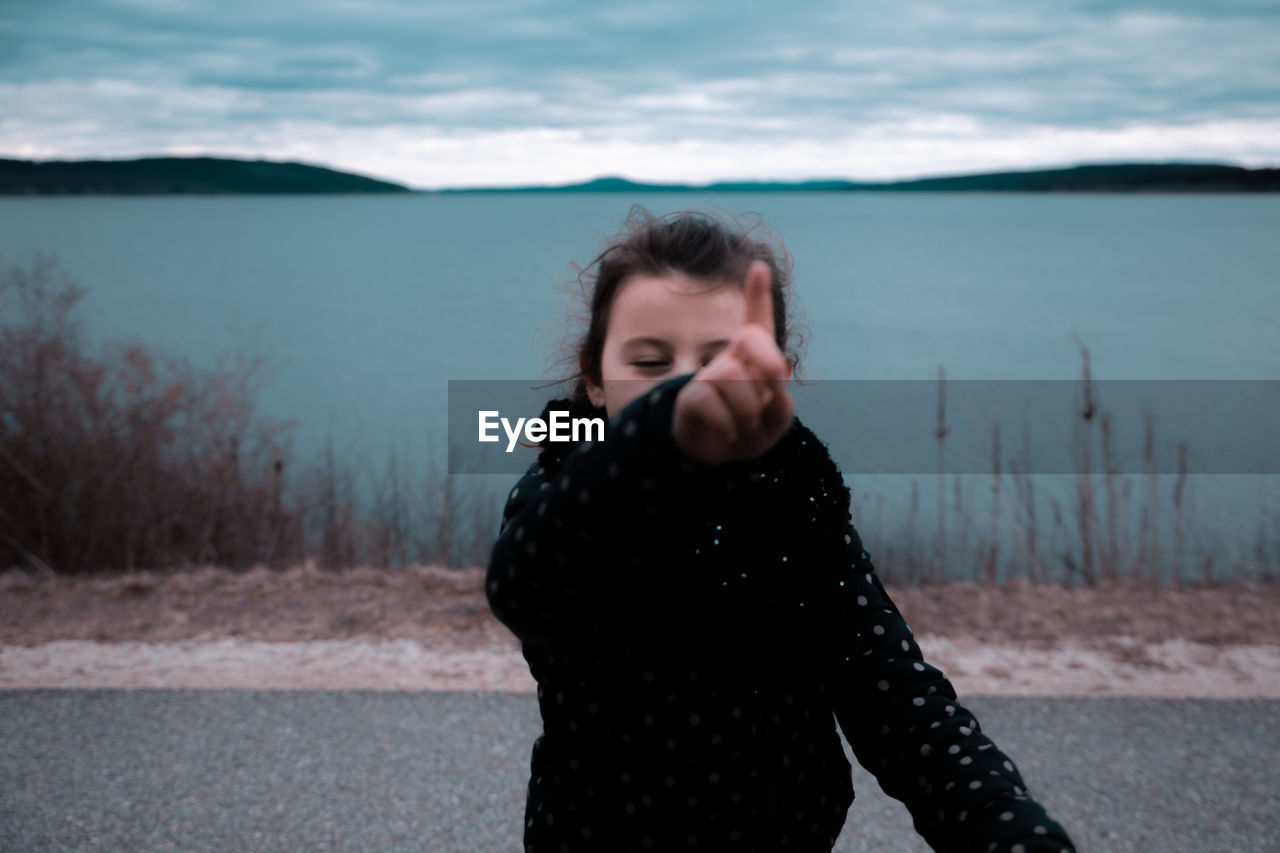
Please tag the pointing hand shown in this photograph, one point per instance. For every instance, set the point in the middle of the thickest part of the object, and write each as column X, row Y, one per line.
column 737, row 406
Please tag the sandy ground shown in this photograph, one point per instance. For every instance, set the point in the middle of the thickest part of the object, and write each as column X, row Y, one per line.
column 427, row 628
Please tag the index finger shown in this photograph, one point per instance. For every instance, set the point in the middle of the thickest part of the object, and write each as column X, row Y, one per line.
column 760, row 296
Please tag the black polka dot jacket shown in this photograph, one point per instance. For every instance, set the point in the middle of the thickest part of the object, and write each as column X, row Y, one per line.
column 697, row 632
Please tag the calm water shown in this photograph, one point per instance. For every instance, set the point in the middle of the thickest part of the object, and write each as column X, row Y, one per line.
column 364, row 307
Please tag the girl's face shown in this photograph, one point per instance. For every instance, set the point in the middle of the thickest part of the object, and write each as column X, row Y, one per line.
column 662, row 326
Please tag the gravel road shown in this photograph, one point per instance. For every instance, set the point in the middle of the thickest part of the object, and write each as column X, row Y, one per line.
column 213, row 770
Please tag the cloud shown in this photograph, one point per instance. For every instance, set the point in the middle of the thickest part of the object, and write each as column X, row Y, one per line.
column 564, row 90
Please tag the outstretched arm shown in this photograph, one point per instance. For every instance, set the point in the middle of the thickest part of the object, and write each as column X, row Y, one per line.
column 585, row 547
column 900, row 715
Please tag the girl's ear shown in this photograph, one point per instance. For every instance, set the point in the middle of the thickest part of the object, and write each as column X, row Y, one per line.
column 594, row 392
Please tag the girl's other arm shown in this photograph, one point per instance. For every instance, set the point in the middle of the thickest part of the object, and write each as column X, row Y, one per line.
column 902, row 719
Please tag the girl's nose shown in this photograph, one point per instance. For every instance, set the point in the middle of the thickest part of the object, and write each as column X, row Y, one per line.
column 687, row 364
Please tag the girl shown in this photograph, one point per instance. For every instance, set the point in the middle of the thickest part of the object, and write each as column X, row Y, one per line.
column 695, row 603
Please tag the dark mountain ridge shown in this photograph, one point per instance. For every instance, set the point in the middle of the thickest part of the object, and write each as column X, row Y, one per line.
column 218, row 175
column 179, row 175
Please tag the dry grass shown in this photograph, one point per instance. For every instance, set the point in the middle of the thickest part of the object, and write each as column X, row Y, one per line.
column 306, row 603
column 126, row 459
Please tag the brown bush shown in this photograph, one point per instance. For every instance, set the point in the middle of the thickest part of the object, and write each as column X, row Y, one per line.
column 123, row 459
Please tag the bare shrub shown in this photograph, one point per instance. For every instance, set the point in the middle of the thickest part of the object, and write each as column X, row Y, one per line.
column 1093, row 549
column 124, row 459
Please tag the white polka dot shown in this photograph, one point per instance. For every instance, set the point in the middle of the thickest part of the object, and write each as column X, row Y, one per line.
column 953, row 749
column 1039, row 830
column 1008, row 765
column 877, row 630
column 862, row 600
column 918, row 701
column 1017, row 848
column 968, row 759
column 919, row 667
column 975, row 784
column 882, row 684
column 1006, row 815
column 906, row 646
column 925, row 749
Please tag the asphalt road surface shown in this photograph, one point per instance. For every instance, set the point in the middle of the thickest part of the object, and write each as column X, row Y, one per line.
column 213, row 770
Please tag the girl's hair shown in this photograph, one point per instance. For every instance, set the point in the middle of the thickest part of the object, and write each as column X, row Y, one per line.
column 700, row 245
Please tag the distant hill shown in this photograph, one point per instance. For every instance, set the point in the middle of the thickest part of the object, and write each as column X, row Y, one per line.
column 187, row 175
column 1120, row 177
column 204, row 175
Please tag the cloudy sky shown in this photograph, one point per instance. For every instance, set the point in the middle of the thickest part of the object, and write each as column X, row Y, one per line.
column 500, row 92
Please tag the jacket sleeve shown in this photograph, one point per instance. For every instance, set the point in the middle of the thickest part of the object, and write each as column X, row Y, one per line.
column 585, row 550
column 901, row 717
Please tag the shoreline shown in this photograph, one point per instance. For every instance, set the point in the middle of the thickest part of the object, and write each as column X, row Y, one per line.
column 430, row 628
column 1119, row 667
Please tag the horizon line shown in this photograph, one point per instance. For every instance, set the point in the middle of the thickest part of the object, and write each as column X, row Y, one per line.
column 675, row 184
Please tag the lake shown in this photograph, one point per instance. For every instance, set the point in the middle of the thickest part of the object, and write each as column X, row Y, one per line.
column 364, row 307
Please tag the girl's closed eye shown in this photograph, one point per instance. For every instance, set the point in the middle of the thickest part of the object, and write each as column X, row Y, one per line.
column 659, row 365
